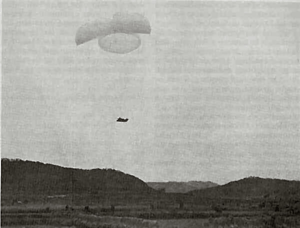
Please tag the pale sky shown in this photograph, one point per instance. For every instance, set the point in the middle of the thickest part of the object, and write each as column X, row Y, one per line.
column 212, row 94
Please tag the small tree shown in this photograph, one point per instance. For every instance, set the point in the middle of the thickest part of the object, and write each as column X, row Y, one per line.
column 87, row 209
column 152, row 206
column 181, row 204
column 217, row 208
column 112, row 208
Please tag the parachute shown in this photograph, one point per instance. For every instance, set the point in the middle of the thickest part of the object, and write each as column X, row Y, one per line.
column 92, row 30
column 121, row 43
column 130, row 23
column 119, row 35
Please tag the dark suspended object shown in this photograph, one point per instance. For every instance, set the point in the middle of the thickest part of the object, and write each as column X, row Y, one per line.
column 119, row 35
column 121, row 120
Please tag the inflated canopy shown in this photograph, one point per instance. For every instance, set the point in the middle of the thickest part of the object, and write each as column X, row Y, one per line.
column 118, row 35
column 130, row 23
column 120, row 43
column 92, row 30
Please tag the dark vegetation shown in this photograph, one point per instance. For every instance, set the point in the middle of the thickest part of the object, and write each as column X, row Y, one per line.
column 33, row 189
column 28, row 181
column 253, row 187
column 34, row 177
column 67, row 219
column 181, row 187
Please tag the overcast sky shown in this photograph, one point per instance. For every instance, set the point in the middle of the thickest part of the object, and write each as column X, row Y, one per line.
column 212, row 93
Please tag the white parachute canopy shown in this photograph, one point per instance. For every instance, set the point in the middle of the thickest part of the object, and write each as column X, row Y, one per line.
column 119, row 35
column 130, row 23
column 92, row 30
column 120, row 43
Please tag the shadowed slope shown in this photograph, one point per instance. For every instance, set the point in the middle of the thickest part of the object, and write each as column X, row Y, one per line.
column 181, row 187
column 29, row 177
column 253, row 187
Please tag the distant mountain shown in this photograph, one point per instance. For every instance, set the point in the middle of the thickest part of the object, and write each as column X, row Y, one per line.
column 181, row 187
column 252, row 187
column 20, row 177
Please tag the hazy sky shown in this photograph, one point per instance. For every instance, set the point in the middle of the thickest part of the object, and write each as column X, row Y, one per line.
column 211, row 94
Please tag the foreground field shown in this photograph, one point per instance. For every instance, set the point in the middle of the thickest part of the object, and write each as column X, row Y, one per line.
column 38, row 226
column 58, row 217
column 239, row 222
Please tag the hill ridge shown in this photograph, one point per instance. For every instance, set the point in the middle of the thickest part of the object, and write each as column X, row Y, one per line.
column 65, row 167
column 181, row 187
column 253, row 187
column 23, row 177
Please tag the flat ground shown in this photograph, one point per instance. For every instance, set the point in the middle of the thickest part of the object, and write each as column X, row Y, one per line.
column 54, row 216
column 38, row 226
column 182, row 223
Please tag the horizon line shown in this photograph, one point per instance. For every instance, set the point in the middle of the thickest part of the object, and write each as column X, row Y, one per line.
column 177, row 181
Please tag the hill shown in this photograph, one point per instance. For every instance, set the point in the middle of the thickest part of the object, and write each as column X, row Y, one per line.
column 253, row 187
column 24, row 178
column 181, row 187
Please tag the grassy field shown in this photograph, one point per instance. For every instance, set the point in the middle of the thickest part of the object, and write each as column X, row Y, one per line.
column 224, row 222
column 51, row 216
column 38, row 226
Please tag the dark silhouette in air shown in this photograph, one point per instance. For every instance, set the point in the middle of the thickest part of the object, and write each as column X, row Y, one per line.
column 121, row 120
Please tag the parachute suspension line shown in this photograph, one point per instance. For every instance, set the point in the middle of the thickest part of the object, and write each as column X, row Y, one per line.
column 121, row 92
column 121, row 5
column 119, row 36
column 122, row 82
column 298, row 46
